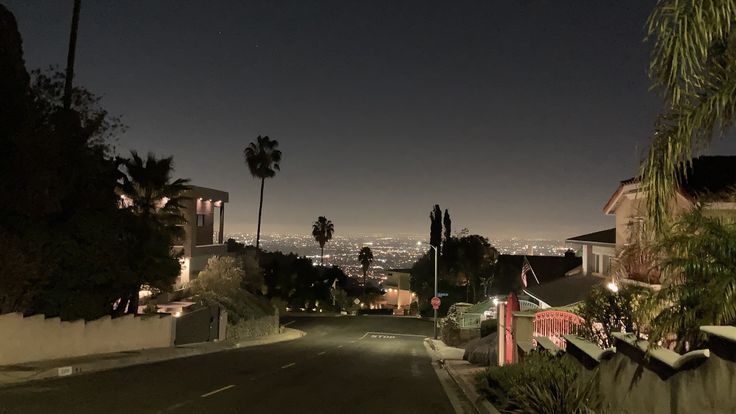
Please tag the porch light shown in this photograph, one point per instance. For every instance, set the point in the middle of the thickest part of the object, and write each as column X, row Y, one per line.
column 613, row 287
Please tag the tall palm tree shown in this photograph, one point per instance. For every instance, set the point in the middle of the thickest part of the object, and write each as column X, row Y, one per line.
column 322, row 230
column 263, row 161
column 693, row 62
column 365, row 257
column 71, row 54
column 154, row 199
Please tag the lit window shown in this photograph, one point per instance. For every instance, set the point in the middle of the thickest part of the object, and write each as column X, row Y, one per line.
column 200, row 220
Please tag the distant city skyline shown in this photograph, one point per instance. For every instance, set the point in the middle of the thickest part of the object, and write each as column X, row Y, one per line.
column 501, row 112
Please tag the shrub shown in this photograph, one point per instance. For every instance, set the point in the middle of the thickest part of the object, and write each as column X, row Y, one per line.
column 606, row 312
column 488, row 327
column 221, row 283
column 541, row 383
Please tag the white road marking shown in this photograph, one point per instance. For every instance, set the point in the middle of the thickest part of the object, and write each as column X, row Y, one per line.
column 321, row 353
column 340, row 346
column 392, row 334
column 217, row 390
column 288, row 323
column 289, row 365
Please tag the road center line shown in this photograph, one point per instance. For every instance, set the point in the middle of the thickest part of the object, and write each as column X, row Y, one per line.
column 289, row 365
column 340, row 346
column 218, row 390
column 288, row 323
column 321, row 353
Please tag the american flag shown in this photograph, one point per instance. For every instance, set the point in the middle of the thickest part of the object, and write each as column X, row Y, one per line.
column 524, row 270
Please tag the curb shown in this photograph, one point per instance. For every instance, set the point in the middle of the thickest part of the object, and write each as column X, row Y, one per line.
column 17, row 375
column 479, row 404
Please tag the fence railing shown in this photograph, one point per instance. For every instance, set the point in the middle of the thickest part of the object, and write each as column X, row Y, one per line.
column 555, row 324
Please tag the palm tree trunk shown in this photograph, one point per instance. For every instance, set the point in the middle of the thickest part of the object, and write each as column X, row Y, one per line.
column 365, row 277
column 260, row 209
column 322, row 256
column 71, row 56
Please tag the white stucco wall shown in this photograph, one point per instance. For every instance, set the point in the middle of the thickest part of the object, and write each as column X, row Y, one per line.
column 36, row 338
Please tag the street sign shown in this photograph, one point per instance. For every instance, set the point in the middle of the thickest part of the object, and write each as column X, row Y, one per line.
column 435, row 302
column 356, row 301
column 442, row 294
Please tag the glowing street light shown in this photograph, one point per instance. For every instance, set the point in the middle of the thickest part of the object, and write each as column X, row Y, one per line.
column 613, row 287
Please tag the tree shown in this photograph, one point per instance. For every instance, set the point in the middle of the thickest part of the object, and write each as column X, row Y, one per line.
column 221, row 283
column 154, row 199
column 63, row 234
column 263, row 159
column 435, row 227
column 322, row 230
column 693, row 62
column 365, row 257
column 606, row 312
column 71, row 56
column 448, row 225
column 699, row 257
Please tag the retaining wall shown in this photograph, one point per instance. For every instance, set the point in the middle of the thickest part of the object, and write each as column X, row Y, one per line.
column 37, row 338
column 633, row 380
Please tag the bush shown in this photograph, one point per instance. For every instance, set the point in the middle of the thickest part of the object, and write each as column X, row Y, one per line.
column 541, row 383
column 221, row 283
column 606, row 312
column 488, row 327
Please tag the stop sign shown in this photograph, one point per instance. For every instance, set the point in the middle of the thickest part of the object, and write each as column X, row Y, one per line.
column 435, row 302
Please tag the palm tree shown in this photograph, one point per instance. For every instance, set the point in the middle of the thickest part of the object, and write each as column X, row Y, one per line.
column 322, row 230
column 155, row 199
column 700, row 289
column 263, row 161
column 71, row 56
column 694, row 64
column 365, row 257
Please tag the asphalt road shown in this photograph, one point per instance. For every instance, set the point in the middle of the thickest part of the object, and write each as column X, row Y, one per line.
column 367, row 364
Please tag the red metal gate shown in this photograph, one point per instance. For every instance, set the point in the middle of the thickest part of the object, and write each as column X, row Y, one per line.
column 554, row 324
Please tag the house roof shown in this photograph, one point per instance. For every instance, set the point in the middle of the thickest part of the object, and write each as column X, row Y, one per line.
column 545, row 268
column 565, row 290
column 709, row 175
column 607, row 236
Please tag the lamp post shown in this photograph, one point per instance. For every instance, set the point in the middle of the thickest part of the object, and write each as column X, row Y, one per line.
column 436, row 253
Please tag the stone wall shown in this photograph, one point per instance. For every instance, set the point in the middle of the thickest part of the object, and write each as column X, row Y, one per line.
column 632, row 380
column 37, row 338
column 255, row 327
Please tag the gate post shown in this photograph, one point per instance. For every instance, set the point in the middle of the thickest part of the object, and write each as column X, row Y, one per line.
column 501, row 318
column 523, row 329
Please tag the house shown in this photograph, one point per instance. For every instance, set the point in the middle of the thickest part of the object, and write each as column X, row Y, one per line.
column 708, row 182
column 542, row 272
column 203, row 231
column 597, row 250
column 398, row 293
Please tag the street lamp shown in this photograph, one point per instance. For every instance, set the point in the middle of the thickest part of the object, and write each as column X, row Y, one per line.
column 436, row 253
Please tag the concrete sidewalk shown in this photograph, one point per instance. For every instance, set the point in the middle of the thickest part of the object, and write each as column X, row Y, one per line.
column 33, row 371
column 463, row 374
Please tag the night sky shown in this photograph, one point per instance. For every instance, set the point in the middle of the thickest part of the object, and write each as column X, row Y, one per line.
column 519, row 116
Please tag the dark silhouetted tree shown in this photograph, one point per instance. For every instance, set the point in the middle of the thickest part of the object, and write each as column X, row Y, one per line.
column 154, row 199
column 71, row 54
column 448, row 225
column 365, row 257
column 435, row 229
column 263, row 159
column 322, row 230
